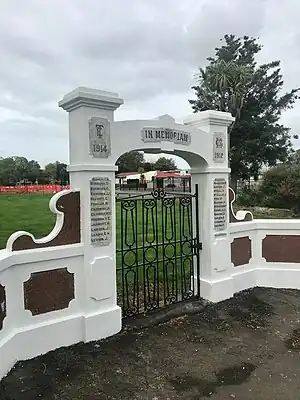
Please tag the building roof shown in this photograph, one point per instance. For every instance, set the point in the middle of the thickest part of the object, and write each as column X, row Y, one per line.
column 124, row 174
column 169, row 174
column 156, row 174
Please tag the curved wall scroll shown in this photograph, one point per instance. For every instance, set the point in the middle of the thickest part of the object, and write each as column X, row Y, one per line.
column 66, row 206
column 2, row 305
column 240, row 216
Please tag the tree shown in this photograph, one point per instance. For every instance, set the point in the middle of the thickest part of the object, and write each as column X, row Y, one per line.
column 33, row 171
column 295, row 157
column 148, row 166
column 57, row 173
column 165, row 164
column 7, row 171
column 15, row 170
column 130, row 161
column 50, row 171
column 224, row 84
column 234, row 82
column 280, row 187
column 62, row 174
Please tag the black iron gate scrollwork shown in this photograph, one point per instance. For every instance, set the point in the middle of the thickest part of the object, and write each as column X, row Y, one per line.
column 158, row 250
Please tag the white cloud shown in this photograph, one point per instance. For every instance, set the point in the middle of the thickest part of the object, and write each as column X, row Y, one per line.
column 146, row 50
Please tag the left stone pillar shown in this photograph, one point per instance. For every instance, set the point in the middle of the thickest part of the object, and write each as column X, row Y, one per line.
column 92, row 172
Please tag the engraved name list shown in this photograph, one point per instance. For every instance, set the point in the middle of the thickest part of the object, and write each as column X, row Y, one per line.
column 101, row 213
column 220, row 207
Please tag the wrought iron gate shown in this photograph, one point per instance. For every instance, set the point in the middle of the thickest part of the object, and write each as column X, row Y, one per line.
column 157, row 250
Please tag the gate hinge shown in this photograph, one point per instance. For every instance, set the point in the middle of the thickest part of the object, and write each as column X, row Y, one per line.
column 197, row 246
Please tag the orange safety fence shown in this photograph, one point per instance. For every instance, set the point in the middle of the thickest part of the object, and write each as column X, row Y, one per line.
column 19, row 189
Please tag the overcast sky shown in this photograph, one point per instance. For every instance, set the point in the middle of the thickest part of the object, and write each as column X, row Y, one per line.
column 146, row 50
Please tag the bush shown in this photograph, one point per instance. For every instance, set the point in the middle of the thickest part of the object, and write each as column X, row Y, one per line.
column 280, row 187
column 249, row 197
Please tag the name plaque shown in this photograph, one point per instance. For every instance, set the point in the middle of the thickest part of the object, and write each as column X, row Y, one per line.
column 220, row 204
column 152, row 135
column 219, row 147
column 100, row 211
column 99, row 137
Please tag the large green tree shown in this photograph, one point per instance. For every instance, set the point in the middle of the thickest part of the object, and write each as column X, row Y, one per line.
column 130, row 161
column 19, row 170
column 15, row 170
column 56, row 172
column 233, row 82
column 164, row 164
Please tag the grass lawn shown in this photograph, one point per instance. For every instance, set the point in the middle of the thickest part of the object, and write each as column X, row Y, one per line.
column 25, row 212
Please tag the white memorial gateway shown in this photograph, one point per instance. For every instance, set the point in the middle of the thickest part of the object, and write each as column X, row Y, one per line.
column 96, row 143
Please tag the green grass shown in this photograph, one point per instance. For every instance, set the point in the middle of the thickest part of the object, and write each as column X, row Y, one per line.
column 25, row 212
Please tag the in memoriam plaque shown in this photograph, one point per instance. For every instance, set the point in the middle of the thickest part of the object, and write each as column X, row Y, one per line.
column 100, row 211
column 219, row 147
column 99, row 137
column 176, row 136
column 220, row 204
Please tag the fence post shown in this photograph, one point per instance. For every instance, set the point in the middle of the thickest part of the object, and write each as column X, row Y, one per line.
column 92, row 171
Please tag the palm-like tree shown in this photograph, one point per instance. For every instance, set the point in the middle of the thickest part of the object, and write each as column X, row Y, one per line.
column 225, row 84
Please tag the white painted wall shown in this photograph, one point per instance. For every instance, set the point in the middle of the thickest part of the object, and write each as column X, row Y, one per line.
column 259, row 272
column 24, row 336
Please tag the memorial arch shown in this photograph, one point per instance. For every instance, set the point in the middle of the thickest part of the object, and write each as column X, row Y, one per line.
column 148, row 246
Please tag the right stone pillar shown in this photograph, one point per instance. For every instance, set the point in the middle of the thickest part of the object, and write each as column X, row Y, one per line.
column 212, row 176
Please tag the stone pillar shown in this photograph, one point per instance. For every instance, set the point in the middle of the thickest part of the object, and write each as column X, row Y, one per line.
column 92, row 172
column 212, row 178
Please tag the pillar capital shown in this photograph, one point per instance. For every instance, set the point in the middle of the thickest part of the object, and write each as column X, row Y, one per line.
column 208, row 118
column 94, row 98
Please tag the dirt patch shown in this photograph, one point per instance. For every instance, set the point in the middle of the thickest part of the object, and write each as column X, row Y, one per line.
column 244, row 348
column 293, row 342
column 235, row 375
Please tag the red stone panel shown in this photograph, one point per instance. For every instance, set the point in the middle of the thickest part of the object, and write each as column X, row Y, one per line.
column 241, row 251
column 281, row 248
column 48, row 291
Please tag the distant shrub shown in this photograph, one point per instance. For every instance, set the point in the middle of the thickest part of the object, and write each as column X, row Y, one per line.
column 249, row 197
column 280, row 187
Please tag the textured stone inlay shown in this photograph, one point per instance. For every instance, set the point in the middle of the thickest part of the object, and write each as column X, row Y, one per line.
column 241, row 251
column 281, row 248
column 48, row 291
